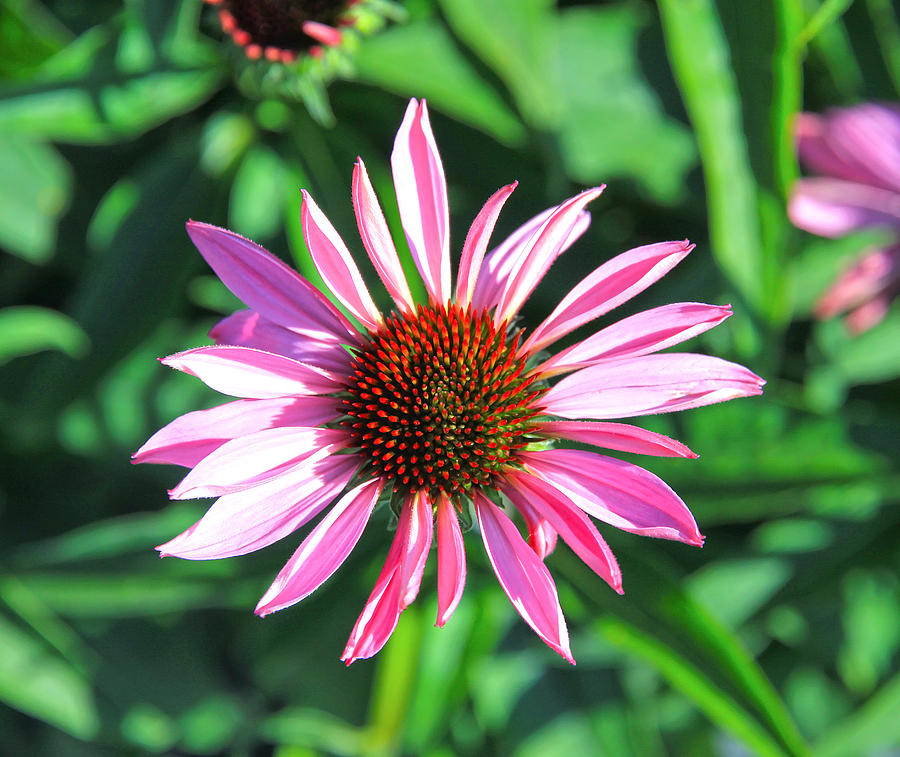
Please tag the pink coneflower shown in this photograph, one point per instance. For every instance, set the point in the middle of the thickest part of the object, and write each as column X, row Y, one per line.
column 858, row 151
column 438, row 407
column 283, row 30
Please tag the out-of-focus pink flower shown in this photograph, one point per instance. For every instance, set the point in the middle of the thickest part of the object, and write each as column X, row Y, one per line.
column 858, row 152
column 444, row 404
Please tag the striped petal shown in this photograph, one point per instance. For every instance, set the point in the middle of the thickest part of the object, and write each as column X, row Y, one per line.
column 265, row 284
column 834, row 207
column 618, row 436
column 500, row 262
column 335, row 264
column 569, row 521
column 607, row 287
column 615, row 492
column 250, row 373
column 376, row 238
column 451, row 560
column 476, row 244
column 523, row 576
column 398, row 583
column 247, row 328
column 639, row 334
column 323, row 551
column 249, row 520
column 541, row 535
column 649, row 384
column 255, row 458
column 191, row 437
column 422, row 199
column 540, row 252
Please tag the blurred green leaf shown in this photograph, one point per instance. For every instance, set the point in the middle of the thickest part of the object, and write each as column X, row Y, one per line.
column 863, row 358
column 210, row 726
column 87, row 595
column 872, row 728
column 308, row 727
column 256, row 206
column 613, row 123
column 118, row 536
column 821, row 261
column 421, row 59
column 36, row 189
column 817, row 701
column 148, row 728
column 791, row 535
column 29, row 34
column 80, row 96
column 699, row 55
column 734, row 590
column 516, row 39
column 714, row 702
column 871, row 621
column 25, row 329
column 659, row 621
column 226, row 136
column 42, row 685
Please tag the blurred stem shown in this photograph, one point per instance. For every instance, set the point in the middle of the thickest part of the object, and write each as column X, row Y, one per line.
column 685, row 677
column 828, row 12
column 828, row 37
column 397, row 668
column 787, row 96
column 887, row 30
column 700, row 59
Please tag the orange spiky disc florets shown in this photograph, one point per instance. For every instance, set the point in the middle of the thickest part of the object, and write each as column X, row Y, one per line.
column 438, row 401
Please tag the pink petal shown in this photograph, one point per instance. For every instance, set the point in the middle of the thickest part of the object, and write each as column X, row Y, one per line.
column 398, row 583
column 451, row 559
column 335, row 264
column 861, row 143
column 523, row 576
column 324, row 550
column 191, row 437
column 541, row 535
column 649, row 384
column 250, row 373
column 323, row 33
column 817, row 154
column 500, row 263
column 869, row 314
column 378, row 619
column 255, row 458
column 254, row 518
column 619, row 493
column 639, row 334
column 833, row 207
column 422, row 198
column 618, row 436
column 876, row 272
column 476, row 244
column 572, row 524
column 376, row 238
column 607, row 287
column 267, row 285
column 540, row 252
column 247, row 328
column 415, row 547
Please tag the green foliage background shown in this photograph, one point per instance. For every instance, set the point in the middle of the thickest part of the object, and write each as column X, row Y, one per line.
column 120, row 120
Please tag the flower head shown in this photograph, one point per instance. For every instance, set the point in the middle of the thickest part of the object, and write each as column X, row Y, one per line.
column 300, row 45
column 858, row 152
column 439, row 406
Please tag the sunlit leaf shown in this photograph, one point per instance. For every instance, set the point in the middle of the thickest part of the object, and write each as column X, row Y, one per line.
column 35, row 191
column 39, row 683
column 25, row 329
